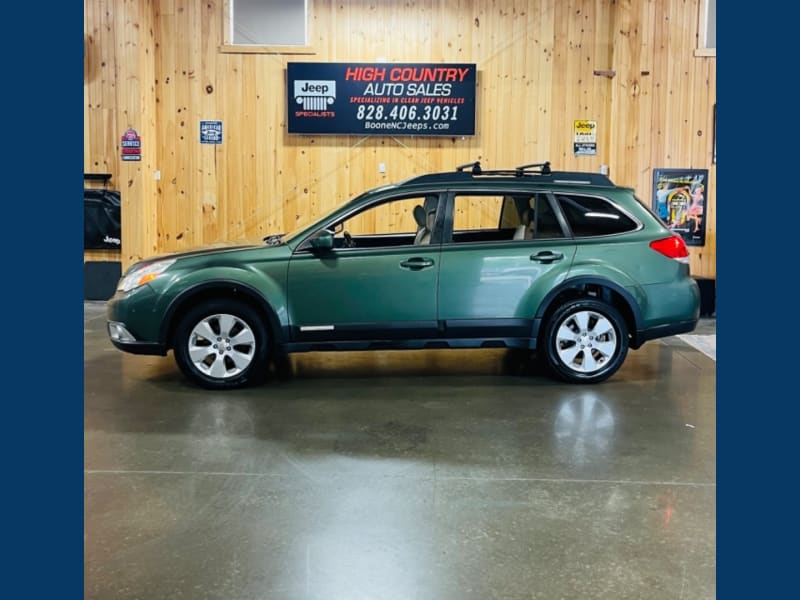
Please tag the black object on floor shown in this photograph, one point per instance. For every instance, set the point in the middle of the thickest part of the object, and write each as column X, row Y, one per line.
column 102, row 225
column 708, row 295
column 100, row 279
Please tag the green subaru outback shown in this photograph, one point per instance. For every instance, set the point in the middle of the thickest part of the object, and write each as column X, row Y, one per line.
column 563, row 263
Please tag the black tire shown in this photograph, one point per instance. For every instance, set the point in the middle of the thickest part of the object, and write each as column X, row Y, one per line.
column 211, row 361
column 588, row 354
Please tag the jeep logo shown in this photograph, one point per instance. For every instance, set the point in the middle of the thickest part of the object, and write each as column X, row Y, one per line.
column 314, row 88
column 314, row 94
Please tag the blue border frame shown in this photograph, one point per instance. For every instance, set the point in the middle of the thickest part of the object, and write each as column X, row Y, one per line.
column 43, row 290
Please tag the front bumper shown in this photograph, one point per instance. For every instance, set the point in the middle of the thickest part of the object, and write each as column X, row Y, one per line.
column 134, row 322
column 125, row 341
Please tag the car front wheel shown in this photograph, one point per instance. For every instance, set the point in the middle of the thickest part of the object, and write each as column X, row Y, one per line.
column 585, row 341
column 222, row 344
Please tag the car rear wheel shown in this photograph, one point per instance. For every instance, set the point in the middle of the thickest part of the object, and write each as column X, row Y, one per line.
column 585, row 341
column 222, row 344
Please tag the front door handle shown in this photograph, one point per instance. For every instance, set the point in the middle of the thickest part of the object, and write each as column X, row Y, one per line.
column 417, row 263
column 546, row 256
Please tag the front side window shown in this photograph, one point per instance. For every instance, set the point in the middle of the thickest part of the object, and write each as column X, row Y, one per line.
column 398, row 222
column 394, row 218
column 590, row 216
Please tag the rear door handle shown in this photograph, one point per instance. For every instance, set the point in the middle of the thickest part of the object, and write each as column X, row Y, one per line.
column 546, row 256
column 417, row 263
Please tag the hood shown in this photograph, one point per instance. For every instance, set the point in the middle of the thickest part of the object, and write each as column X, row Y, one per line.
column 216, row 248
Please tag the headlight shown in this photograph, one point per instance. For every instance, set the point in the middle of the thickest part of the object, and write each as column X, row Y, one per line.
column 143, row 274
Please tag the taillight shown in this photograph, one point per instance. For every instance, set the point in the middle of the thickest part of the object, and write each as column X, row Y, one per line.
column 672, row 247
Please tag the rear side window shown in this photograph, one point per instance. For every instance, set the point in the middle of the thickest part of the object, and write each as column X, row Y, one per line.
column 510, row 218
column 590, row 216
column 484, row 218
column 547, row 226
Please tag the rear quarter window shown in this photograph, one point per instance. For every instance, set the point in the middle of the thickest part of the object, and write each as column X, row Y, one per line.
column 590, row 216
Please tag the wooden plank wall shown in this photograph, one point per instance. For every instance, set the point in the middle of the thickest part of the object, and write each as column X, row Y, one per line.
column 662, row 105
column 536, row 61
column 99, row 101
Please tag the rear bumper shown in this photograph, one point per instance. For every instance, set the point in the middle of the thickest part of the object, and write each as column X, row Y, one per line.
column 660, row 331
column 671, row 308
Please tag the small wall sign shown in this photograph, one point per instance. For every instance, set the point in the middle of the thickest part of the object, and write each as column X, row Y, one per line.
column 131, row 145
column 585, row 140
column 210, row 132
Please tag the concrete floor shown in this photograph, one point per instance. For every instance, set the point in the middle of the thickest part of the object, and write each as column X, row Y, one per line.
column 400, row 475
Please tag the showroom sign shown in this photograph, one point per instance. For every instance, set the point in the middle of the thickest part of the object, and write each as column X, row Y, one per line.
column 381, row 98
column 131, row 145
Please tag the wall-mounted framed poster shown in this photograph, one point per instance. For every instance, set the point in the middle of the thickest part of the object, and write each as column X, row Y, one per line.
column 679, row 198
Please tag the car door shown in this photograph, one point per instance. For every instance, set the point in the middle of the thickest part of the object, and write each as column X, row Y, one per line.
column 502, row 253
column 380, row 286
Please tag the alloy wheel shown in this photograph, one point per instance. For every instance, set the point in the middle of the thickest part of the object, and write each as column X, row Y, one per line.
column 586, row 341
column 221, row 346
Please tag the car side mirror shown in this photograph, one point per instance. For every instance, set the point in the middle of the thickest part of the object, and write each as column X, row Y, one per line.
column 324, row 241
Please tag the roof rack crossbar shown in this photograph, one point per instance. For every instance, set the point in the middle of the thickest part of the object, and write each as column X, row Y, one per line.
column 475, row 167
column 544, row 168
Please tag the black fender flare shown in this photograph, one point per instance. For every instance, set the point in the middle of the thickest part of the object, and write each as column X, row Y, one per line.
column 579, row 281
column 229, row 285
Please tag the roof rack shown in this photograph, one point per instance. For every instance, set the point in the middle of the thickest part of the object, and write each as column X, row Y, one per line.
column 543, row 169
column 531, row 169
column 475, row 167
column 540, row 171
